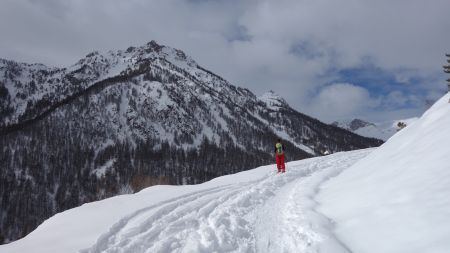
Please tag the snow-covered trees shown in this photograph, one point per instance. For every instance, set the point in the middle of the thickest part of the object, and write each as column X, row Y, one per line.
column 447, row 69
column 400, row 125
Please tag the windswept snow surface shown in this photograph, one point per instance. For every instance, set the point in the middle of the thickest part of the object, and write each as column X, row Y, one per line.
column 397, row 199
column 252, row 211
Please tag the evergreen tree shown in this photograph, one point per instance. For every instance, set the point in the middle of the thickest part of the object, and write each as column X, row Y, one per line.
column 447, row 70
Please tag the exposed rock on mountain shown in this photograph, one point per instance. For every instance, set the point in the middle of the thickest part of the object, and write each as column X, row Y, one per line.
column 120, row 121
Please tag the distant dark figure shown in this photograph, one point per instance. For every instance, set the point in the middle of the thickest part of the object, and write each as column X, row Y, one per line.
column 279, row 155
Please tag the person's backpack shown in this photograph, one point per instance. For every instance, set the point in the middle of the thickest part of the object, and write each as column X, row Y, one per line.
column 279, row 148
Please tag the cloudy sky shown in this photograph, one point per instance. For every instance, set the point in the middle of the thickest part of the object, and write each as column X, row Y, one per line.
column 377, row 60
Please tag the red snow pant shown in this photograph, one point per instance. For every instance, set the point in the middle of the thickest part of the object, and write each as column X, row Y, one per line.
column 280, row 162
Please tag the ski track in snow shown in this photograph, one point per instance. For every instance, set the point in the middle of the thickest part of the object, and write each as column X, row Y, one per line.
column 272, row 214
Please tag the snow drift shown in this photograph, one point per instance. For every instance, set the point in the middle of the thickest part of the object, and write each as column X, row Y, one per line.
column 397, row 198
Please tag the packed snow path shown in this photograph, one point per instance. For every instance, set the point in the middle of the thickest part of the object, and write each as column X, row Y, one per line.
column 272, row 214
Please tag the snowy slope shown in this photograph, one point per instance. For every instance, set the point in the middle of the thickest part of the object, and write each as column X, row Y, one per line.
column 397, row 198
column 380, row 130
column 391, row 199
column 251, row 211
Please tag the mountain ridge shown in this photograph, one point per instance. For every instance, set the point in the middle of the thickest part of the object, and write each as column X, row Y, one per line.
column 123, row 120
column 380, row 130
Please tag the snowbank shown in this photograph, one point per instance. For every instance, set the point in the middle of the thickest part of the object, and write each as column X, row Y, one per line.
column 397, row 198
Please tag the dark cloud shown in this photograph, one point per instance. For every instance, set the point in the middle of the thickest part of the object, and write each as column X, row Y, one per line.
column 299, row 48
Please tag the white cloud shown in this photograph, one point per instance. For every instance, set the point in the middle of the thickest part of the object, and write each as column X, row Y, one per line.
column 342, row 101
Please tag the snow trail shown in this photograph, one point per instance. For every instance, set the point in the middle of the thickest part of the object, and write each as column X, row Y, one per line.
column 272, row 214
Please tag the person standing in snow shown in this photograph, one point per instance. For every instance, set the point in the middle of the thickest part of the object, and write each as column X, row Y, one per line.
column 279, row 155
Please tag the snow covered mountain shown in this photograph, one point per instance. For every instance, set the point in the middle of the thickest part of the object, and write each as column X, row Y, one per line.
column 352, row 125
column 388, row 199
column 380, row 130
column 120, row 121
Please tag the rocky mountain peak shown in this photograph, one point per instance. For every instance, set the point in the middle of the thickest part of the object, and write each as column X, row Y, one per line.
column 155, row 46
column 352, row 125
column 358, row 123
column 273, row 100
